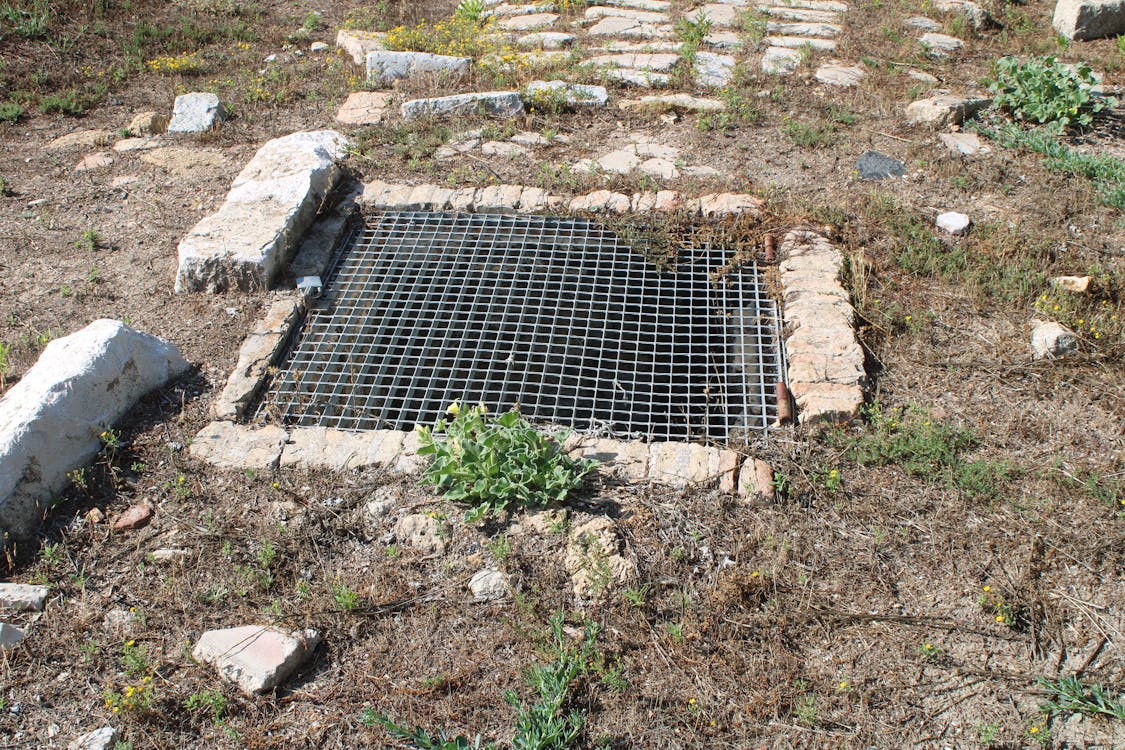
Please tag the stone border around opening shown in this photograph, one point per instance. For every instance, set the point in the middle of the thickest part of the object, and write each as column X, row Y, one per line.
column 824, row 363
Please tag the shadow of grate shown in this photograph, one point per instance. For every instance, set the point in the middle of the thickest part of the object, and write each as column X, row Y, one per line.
column 558, row 316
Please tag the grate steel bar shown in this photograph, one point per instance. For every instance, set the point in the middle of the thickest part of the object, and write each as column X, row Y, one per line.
column 558, row 315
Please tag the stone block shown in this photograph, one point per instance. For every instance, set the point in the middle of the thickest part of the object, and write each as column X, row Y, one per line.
column 364, row 108
column 780, row 59
column 259, row 351
column 570, row 94
column 1089, row 19
column 52, row 419
column 385, row 67
column 196, row 112
column 727, row 204
column 239, row 447
column 1050, row 340
column 148, row 123
column 943, row 110
column 22, row 597
column 321, row 448
column 359, row 44
column 247, row 242
column 629, row 460
column 491, row 103
column 256, row 658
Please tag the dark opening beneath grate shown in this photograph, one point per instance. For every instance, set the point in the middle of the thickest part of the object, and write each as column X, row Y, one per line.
column 559, row 316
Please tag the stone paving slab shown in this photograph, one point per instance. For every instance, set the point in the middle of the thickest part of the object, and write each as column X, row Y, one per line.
column 825, row 361
column 259, row 351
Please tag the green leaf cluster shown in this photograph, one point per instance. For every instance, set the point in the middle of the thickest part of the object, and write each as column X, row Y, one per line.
column 493, row 464
column 1046, row 91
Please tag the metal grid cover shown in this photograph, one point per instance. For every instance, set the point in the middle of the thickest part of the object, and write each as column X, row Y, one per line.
column 558, row 316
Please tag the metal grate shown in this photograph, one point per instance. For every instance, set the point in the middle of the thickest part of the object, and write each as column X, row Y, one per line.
column 556, row 315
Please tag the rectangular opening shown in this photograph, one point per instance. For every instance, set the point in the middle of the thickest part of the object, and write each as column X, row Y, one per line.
column 558, row 316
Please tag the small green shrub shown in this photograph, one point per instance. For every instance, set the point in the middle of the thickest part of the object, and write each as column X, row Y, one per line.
column 10, row 112
column 495, row 463
column 212, row 701
column 26, row 20
column 1045, row 91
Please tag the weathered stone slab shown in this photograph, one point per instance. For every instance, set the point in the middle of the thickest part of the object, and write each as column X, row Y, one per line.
column 385, row 67
column 977, row 16
column 719, row 14
column 793, row 45
column 528, row 22
column 364, row 108
column 52, row 419
column 499, row 199
column 490, row 586
column 943, row 110
column 641, row 16
column 839, row 75
column 571, row 94
column 601, row 201
column 271, row 203
column 826, row 5
column 196, row 113
column 1089, row 19
column 315, row 253
column 99, row 739
column 545, row 40
column 22, row 597
column 658, row 6
column 713, row 70
column 256, row 658
column 627, row 459
column 83, row 139
column 966, row 144
column 825, row 361
column 594, row 557
column 727, row 204
column 359, row 44
column 685, row 464
column 941, row 45
column 645, row 79
column 259, row 351
column 802, row 14
column 321, row 448
column 780, row 60
column 492, row 103
column 627, row 27
column 234, row 446
column 10, row 635
column 660, row 63
column 872, row 165
column 148, row 123
column 1050, row 340
column 803, row 29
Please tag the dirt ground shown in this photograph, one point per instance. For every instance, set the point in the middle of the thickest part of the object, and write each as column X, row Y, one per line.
column 882, row 600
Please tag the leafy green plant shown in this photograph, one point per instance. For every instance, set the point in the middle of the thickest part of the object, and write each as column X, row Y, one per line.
column 1069, row 695
column 470, row 10
column 692, row 33
column 422, row 739
column 211, row 701
column 347, row 599
column 493, row 464
column 1045, row 91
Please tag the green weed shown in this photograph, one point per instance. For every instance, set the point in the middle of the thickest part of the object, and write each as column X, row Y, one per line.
column 211, row 701
column 1048, row 92
column 492, row 464
column 25, row 20
column 346, row 599
column 10, row 112
column 809, row 136
column 1070, row 695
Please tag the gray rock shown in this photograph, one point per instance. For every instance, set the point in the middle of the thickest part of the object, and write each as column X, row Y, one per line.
column 941, row 45
column 839, row 75
column 545, row 40
column 571, row 94
column 1089, row 19
column 645, row 79
column 318, row 47
column 873, row 165
column 196, row 113
column 713, row 70
column 797, row 43
column 359, row 44
column 239, row 447
column 780, row 60
column 51, row 421
column 21, row 597
column 385, row 67
column 953, row 222
column 148, row 123
column 10, row 635
column 490, row 585
column 977, row 16
column 99, row 739
column 255, row 657
column 923, row 23
column 943, row 110
column 271, row 203
column 1072, row 284
column 1051, row 340
column 492, row 103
